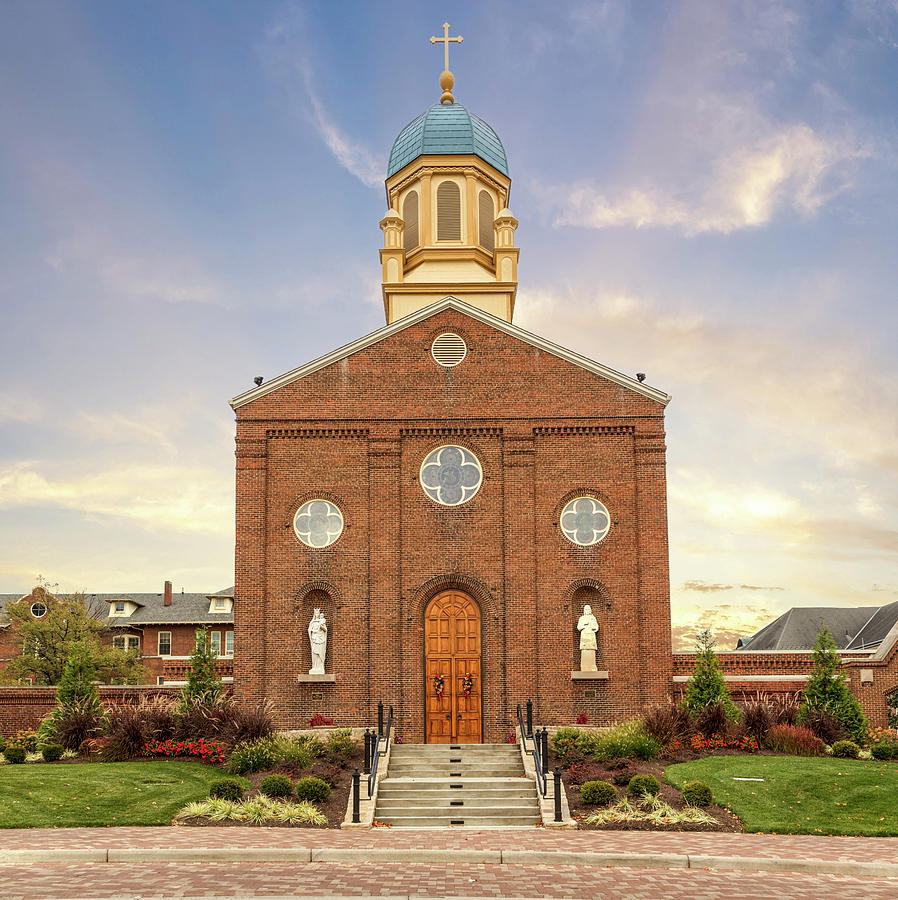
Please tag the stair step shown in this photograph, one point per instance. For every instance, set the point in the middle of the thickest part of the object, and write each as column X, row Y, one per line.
column 425, row 821
column 491, row 804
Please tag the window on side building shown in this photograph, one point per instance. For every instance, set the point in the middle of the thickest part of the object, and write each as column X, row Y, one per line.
column 165, row 643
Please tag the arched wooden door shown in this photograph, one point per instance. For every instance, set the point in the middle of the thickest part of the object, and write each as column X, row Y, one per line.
column 452, row 655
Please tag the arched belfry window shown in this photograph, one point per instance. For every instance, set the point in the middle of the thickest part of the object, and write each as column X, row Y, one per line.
column 448, row 212
column 410, row 216
column 486, row 214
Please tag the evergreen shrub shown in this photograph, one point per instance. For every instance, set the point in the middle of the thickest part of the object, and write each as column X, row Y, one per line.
column 846, row 750
column 883, row 750
column 598, row 792
column 313, row 789
column 696, row 793
column 14, row 753
column 707, row 684
column 226, row 789
column 276, row 786
column 644, row 786
column 52, row 752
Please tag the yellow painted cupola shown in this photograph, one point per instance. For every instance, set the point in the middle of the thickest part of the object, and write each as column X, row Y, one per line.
column 448, row 230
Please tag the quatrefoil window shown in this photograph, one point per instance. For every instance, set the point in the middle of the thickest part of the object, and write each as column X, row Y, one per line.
column 318, row 523
column 451, row 475
column 585, row 521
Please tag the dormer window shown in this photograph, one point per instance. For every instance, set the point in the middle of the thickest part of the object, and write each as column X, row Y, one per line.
column 220, row 605
column 120, row 606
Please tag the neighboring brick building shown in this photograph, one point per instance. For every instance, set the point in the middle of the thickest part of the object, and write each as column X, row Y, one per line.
column 451, row 490
column 161, row 626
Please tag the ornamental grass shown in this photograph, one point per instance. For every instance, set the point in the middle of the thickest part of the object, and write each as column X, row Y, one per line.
column 653, row 810
column 256, row 811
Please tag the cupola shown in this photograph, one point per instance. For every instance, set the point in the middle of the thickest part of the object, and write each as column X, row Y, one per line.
column 448, row 230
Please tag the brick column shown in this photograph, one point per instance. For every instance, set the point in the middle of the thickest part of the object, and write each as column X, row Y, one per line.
column 250, row 620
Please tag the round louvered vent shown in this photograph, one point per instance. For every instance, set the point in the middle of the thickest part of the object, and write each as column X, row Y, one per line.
column 449, row 349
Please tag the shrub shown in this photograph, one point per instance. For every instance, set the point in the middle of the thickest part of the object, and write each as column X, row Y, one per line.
column 883, row 750
column 695, row 793
column 27, row 740
column 341, row 741
column 827, row 690
column 582, row 719
column 707, row 684
column 581, row 772
column 598, row 792
column 277, row 786
column 52, row 752
column 564, row 741
column 252, row 757
column 714, row 719
column 204, row 687
column 331, row 775
column 757, row 717
column 2, row 743
column 224, row 720
column 315, row 790
column 667, row 723
column 629, row 740
column 75, row 722
column 644, row 785
column 14, row 753
column 226, row 789
column 794, row 741
column 828, row 728
column 846, row 750
column 621, row 777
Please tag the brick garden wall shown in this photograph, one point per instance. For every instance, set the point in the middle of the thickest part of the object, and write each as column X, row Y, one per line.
column 544, row 431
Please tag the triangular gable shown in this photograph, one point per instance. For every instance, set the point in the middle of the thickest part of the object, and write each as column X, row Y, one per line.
column 451, row 303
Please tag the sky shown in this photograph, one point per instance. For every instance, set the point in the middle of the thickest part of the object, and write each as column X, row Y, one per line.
column 190, row 196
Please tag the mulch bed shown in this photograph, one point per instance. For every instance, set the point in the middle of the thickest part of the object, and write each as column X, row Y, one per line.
column 727, row 822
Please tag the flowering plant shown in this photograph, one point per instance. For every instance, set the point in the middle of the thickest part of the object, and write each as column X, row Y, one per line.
column 882, row 735
column 467, row 684
column 207, row 751
column 702, row 744
column 582, row 719
column 439, row 683
column 397, row 739
column 319, row 721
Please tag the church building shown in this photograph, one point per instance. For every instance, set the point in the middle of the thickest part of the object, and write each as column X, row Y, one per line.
column 451, row 491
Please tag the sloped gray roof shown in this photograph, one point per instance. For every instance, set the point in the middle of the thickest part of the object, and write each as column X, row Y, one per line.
column 185, row 609
column 798, row 628
column 875, row 628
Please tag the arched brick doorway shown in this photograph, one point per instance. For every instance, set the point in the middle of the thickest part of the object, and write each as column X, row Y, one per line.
column 452, row 652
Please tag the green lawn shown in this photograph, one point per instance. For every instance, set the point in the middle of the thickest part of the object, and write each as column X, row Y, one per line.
column 801, row 795
column 126, row 793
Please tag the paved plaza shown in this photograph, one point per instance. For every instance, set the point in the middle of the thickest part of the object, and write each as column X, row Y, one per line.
column 279, row 862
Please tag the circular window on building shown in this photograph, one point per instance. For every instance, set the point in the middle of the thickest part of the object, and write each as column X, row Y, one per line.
column 451, row 475
column 585, row 521
column 38, row 610
column 318, row 523
column 449, row 349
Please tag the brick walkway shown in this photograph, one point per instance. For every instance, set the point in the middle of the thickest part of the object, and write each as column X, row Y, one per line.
column 522, row 863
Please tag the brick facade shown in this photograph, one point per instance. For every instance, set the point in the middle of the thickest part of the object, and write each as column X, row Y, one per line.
column 544, row 430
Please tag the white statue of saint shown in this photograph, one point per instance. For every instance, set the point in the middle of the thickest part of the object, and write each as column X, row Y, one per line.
column 588, row 628
column 318, row 640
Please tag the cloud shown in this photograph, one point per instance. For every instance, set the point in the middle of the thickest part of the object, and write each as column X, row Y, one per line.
column 683, row 637
column 703, row 587
column 284, row 49
column 791, row 169
column 155, row 496
column 19, row 407
column 755, row 587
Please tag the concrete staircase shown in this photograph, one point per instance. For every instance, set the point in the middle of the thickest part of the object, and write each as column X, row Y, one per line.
column 439, row 785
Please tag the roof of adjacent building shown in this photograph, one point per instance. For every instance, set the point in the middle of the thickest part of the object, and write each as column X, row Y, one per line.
column 447, row 129
column 185, row 609
column 852, row 628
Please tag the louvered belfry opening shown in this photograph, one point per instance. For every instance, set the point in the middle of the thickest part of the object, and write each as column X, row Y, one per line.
column 448, row 212
column 486, row 215
column 410, row 216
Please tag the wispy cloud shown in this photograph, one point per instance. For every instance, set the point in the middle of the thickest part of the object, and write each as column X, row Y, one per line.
column 19, row 407
column 285, row 50
column 704, row 587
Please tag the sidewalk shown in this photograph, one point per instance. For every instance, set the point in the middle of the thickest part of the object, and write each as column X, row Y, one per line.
column 863, row 857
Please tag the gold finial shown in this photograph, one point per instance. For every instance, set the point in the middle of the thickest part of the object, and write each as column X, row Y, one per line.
column 446, row 79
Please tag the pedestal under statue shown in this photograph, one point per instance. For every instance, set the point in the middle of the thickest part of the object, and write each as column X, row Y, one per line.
column 318, row 640
column 588, row 628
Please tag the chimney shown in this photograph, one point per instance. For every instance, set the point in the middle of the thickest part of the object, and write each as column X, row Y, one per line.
column 167, row 599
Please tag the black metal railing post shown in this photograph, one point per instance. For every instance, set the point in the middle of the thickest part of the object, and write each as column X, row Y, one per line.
column 557, row 774
column 380, row 718
column 367, row 769
column 355, row 797
column 545, row 749
column 529, row 718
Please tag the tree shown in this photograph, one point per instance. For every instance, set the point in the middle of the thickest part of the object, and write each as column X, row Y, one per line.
column 79, row 712
column 48, row 641
column 707, row 684
column 827, row 689
column 204, row 687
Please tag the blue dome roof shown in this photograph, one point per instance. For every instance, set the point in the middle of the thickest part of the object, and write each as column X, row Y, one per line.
column 447, row 129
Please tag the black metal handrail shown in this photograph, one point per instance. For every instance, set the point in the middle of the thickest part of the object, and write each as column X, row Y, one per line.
column 383, row 734
column 536, row 751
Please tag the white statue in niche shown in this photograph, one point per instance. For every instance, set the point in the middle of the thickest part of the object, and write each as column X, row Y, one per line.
column 588, row 628
column 318, row 640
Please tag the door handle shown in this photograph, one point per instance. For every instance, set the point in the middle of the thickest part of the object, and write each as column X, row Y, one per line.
column 448, row 715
